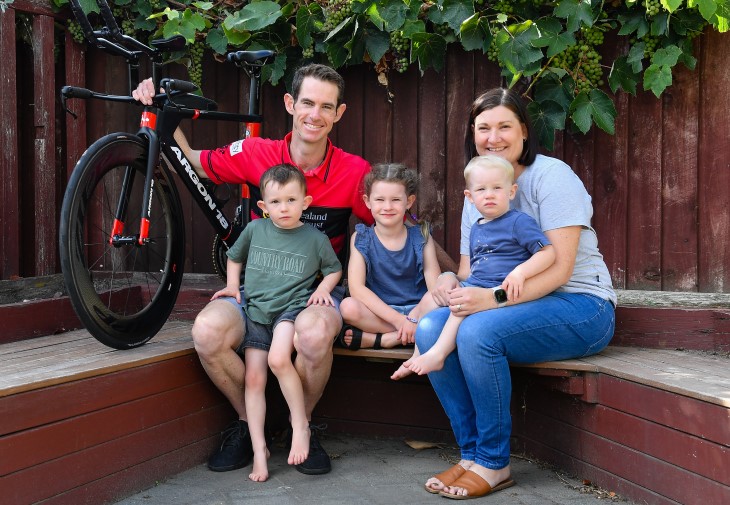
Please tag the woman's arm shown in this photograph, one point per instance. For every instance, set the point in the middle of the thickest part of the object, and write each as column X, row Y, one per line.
column 564, row 240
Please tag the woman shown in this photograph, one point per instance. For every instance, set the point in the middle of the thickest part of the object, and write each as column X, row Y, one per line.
column 567, row 311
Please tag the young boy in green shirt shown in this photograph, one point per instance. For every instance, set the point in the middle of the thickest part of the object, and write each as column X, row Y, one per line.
column 283, row 258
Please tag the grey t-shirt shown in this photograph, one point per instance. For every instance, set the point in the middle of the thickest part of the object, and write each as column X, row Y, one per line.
column 550, row 192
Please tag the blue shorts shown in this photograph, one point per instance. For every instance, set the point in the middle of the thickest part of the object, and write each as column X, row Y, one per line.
column 259, row 335
column 403, row 309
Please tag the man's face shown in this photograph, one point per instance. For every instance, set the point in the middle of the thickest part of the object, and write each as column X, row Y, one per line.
column 315, row 111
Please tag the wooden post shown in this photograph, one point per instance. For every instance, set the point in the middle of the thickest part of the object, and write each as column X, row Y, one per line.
column 9, row 166
column 44, row 162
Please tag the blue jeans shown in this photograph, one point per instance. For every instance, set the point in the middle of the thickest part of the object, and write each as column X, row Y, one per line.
column 475, row 387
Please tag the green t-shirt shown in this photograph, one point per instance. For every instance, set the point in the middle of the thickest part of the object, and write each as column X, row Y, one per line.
column 281, row 266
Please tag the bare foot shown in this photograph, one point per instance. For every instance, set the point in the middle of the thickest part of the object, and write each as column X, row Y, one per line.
column 387, row 341
column 435, row 485
column 260, row 471
column 426, row 363
column 493, row 477
column 403, row 371
column 299, row 445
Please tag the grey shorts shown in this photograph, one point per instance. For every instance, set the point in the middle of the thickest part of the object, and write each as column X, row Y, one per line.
column 259, row 335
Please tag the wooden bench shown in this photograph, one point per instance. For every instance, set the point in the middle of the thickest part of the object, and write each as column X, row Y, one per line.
column 82, row 422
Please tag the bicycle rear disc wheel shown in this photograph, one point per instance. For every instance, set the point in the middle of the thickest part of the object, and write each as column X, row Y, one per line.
column 123, row 295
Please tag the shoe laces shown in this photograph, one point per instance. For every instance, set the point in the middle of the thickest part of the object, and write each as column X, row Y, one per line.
column 232, row 435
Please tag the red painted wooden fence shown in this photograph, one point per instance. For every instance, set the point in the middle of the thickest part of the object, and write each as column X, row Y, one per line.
column 660, row 186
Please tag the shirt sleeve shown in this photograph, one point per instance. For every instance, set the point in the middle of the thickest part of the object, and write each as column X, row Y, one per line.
column 329, row 261
column 224, row 164
column 528, row 233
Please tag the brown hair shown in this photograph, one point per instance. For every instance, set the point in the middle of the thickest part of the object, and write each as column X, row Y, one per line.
column 510, row 99
column 282, row 174
column 321, row 73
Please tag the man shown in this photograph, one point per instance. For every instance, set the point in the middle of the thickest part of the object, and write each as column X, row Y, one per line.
column 334, row 181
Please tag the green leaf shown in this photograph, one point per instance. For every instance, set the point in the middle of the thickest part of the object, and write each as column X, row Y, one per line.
column 633, row 22
column 636, row 56
column 235, row 37
column 721, row 19
column 660, row 24
column 309, row 19
column 591, row 107
column 686, row 57
column 456, row 11
column 393, row 14
column 203, row 6
column 576, row 12
column 551, row 87
column 217, row 40
column 517, row 52
column 551, row 36
column 375, row 18
column 707, row 8
column 429, row 49
column 622, row 76
column 686, row 21
column 657, row 78
column 671, row 5
column 377, row 44
column 475, row 34
column 254, row 16
column 413, row 26
column 547, row 116
column 667, row 56
column 273, row 72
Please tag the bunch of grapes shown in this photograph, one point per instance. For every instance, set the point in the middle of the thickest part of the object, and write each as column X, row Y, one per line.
column 583, row 63
column 593, row 36
column 195, row 70
column 651, row 44
column 493, row 51
column 155, row 4
column 76, row 32
column 652, row 7
column 308, row 52
column 504, row 6
column 335, row 12
column 401, row 46
column 442, row 29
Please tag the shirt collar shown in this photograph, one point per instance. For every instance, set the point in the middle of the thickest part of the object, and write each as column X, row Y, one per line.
column 322, row 171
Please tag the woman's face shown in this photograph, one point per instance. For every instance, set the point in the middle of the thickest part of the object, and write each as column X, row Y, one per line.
column 498, row 131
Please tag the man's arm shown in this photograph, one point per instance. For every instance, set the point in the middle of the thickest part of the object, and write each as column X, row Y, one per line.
column 144, row 93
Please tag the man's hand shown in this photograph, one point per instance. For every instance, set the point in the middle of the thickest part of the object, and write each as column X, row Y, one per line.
column 144, row 92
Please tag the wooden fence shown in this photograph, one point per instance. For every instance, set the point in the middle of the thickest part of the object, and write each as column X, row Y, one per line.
column 660, row 186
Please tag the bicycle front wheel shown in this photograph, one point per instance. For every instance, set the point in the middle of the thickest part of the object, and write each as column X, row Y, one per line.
column 123, row 294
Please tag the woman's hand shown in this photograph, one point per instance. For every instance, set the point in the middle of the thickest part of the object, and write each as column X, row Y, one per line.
column 446, row 282
column 466, row 301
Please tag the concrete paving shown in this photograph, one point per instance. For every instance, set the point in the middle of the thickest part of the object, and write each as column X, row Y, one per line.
column 364, row 471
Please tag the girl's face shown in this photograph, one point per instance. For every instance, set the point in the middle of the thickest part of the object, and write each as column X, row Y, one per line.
column 388, row 202
column 490, row 190
column 498, row 131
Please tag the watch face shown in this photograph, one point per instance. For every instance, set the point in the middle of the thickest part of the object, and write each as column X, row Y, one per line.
column 500, row 295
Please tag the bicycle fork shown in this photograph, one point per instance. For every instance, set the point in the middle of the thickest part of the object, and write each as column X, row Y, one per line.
column 117, row 238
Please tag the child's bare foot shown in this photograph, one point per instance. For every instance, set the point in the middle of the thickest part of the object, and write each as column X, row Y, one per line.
column 426, row 363
column 299, row 445
column 403, row 371
column 260, row 471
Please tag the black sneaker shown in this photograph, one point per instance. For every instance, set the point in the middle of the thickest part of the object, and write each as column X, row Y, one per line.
column 318, row 462
column 235, row 451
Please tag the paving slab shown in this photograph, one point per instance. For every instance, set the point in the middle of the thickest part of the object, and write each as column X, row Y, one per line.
column 364, row 471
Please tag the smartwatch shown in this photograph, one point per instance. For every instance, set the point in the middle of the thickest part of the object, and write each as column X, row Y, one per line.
column 500, row 296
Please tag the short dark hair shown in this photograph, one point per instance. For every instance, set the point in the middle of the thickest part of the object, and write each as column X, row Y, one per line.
column 321, row 73
column 512, row 100
column 282, row 174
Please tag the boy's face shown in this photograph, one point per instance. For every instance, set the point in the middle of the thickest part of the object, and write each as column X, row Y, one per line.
column 490, row 190
column 315, row 111
column 284, row 203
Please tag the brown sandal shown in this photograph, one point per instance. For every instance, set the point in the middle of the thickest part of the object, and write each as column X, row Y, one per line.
column 475, row 486
column 447, row 477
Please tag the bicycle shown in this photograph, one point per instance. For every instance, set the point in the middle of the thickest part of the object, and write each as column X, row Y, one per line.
column 123, row 285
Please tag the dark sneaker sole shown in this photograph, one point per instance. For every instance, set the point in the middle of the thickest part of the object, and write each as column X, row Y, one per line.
column 229, row 468
column 313, row 471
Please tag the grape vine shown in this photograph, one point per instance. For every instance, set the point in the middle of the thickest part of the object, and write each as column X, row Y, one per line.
column 543, row 43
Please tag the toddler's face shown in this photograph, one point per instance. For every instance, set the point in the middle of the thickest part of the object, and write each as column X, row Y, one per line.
column 490, row 190
column 388, row 202
column 285, row 203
